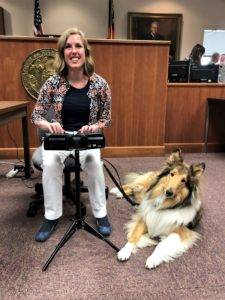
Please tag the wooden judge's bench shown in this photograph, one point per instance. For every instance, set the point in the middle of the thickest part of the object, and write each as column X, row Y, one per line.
column 149, row 116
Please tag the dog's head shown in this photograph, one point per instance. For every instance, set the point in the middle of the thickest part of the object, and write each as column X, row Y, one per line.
column 176, row 182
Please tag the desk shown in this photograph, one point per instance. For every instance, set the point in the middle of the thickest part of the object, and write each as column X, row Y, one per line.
column 10, row 110
column 207, row 116
column 186, row 116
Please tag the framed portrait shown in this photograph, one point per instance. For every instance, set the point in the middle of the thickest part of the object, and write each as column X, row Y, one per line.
column 149, row 26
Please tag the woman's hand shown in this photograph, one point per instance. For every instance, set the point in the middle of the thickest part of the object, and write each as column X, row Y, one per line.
column 89, row 129
column 54, row 127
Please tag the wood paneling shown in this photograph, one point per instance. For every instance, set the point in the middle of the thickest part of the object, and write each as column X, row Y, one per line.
column 137, row 74
column 185, row 116
column 13, row 52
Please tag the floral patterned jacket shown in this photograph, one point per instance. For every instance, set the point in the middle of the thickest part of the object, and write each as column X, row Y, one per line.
column 54, row 89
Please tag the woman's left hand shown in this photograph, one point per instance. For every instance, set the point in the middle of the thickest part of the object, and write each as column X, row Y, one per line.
column 89, row 129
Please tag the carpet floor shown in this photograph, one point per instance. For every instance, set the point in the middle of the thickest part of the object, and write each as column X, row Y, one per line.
column 87, row 268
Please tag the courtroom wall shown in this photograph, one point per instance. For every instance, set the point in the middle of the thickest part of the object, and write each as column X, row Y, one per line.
column 91, row 16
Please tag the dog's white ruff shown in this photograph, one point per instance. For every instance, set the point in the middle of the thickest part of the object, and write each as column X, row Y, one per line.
column 159, row 222
column 160, row 199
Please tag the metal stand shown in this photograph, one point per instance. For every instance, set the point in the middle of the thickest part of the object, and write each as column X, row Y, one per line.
column 78, row 221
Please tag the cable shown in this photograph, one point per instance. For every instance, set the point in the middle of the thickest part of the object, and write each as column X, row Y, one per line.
column 27, row 181
column 114, row 168
column 15, row 144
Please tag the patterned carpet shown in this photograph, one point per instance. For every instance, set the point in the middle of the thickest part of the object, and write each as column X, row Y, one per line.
column 87, row 268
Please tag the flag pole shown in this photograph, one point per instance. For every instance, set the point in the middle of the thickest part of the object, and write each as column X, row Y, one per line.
column 111, row 31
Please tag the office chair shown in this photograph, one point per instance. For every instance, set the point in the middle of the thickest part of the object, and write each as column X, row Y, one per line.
column 68, row 187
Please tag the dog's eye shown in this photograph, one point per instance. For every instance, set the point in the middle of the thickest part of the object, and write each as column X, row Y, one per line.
column 172, row 174
column 183, row 180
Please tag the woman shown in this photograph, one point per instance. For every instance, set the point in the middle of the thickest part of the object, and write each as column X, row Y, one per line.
column 81, row 101
column 196, row 54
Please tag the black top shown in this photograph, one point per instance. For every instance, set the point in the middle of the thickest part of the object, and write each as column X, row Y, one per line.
column 76, row 108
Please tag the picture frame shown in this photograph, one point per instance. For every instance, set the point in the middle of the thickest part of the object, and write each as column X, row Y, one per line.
column 169, row 28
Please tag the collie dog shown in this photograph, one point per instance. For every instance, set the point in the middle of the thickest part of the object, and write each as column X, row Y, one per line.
column 170, row 207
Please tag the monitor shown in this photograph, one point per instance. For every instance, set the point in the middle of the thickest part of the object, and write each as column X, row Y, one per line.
column 208, row 73
column 178, row 71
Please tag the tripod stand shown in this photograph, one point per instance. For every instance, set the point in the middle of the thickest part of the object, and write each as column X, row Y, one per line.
column 78, row 221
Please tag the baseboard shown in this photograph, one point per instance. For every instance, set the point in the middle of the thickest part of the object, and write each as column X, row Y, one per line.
column 133, row 151
column 195, row 147
column 11, row 153
column 216, row 147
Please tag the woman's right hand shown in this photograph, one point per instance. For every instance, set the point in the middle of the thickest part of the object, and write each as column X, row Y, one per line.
column 54, row 127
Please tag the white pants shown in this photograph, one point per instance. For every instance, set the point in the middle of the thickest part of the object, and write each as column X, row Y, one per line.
column 52, row 179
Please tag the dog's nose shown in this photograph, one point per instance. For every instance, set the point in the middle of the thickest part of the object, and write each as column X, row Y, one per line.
column 169, row 193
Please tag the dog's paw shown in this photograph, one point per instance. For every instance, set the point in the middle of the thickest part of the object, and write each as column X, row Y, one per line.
column 115, row 191
column 152, row 262
column 125, row 252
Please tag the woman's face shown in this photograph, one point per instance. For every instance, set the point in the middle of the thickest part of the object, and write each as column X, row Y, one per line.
column 74, row 52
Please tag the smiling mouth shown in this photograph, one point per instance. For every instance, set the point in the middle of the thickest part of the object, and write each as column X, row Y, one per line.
column 75, row 59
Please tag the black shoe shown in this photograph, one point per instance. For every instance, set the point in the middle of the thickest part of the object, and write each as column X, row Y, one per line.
column 46, row 230
column 103, row 226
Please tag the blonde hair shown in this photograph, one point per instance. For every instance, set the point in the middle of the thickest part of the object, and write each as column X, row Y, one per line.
column 60, row 64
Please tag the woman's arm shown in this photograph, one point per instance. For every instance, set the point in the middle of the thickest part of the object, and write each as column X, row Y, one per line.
column 105, row 108
column 43, row 104
column 104, row 119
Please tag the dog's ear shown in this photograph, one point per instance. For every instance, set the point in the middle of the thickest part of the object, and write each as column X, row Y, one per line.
column 197, row 170
column 174, row 158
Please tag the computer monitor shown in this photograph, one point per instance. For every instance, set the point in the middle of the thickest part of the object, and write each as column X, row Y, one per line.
column 178, row 71
column 208, row 73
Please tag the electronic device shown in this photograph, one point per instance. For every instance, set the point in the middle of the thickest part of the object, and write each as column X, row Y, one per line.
column 206, row 73
column 68, row 141
column 178, row 71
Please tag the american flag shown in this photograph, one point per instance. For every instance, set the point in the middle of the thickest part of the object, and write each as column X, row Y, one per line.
column 111, row 31
column 38, row 31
